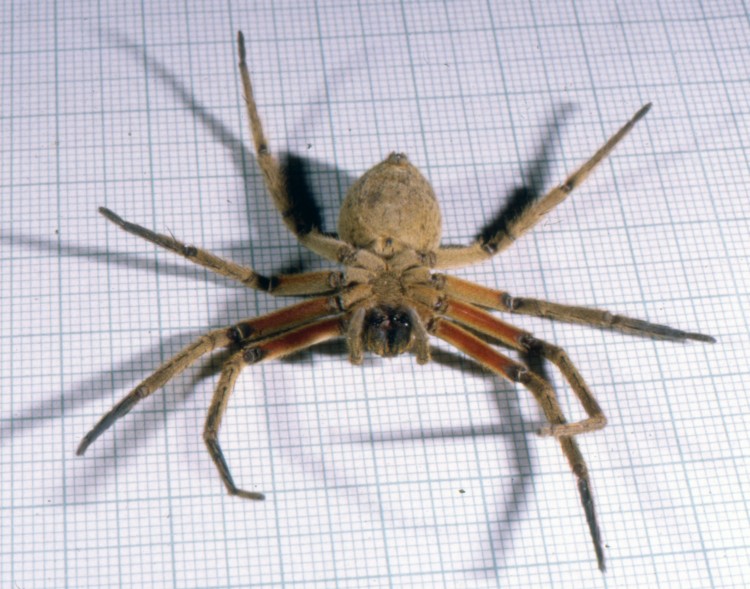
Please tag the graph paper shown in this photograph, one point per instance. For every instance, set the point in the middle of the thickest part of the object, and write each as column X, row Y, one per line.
column 387, row 474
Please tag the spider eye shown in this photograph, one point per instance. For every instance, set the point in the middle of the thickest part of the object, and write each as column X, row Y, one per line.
column 387, row 331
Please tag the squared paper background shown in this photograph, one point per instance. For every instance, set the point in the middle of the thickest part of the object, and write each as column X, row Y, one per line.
column 389, row 474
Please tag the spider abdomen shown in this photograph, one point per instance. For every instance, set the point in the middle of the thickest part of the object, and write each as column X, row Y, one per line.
column 391, row 207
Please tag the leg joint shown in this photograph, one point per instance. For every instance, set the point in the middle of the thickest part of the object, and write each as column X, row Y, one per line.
column 438, row 281
column 239, row 333
column 335, row 279
column 550, row 351
column 520, row 374
column 489, row 248
column 141, row 392
column 252, row 355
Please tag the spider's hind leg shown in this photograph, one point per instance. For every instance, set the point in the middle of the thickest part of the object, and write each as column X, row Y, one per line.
column 307, row 283
column 530, row 215
column 292, row 214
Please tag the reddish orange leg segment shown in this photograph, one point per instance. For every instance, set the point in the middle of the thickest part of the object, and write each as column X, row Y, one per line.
column 471, row 292
column 284, row 319
column 243, row 332
column 275, row 347
column 502, row 301
column 521, row 340
column 545, row 396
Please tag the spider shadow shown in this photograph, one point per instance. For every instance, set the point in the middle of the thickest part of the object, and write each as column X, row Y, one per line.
column 535, row 178
column 518, row 454
column 304, row 176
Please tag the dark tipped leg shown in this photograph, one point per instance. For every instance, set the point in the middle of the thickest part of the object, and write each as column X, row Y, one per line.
column 171, row 368
column 588, row 506
column 296, row 284
column 119, row 410
column 578, row 466
column 545, row 396
column 275, row 347
column 502, row 301
column 216, row 411
column 527, row 218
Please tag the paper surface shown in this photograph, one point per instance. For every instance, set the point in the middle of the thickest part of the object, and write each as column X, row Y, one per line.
column 388, row 474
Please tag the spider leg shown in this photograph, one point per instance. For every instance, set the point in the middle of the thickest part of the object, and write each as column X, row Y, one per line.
column 282, row 285
column 483, row 249
column 502, row 301
column 523, row 341
column 171, row 368
column 600, row 318
column 243, row 332
column 310, row 236
column 275, row 347
column 545, row 396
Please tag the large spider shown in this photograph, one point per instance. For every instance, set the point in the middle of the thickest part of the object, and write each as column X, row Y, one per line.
column 388, row 300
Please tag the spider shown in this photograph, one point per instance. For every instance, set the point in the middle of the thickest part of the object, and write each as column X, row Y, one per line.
column 389, row 301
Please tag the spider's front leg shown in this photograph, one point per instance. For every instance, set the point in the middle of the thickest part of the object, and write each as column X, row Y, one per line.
column 274, row 347
column 243, row 332
column 499, row 300
column 523, row 341
column 545, row 396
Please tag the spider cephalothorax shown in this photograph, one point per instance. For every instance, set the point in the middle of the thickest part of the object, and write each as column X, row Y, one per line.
column 389, row 301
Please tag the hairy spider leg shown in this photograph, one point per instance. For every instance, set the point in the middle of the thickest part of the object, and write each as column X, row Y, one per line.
column 523, row 341
column 544, row 395
column 457, row 257
column 275, row 347
column 307, row 283
column 329, row 247
column 502, row 301
column 243, row 332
